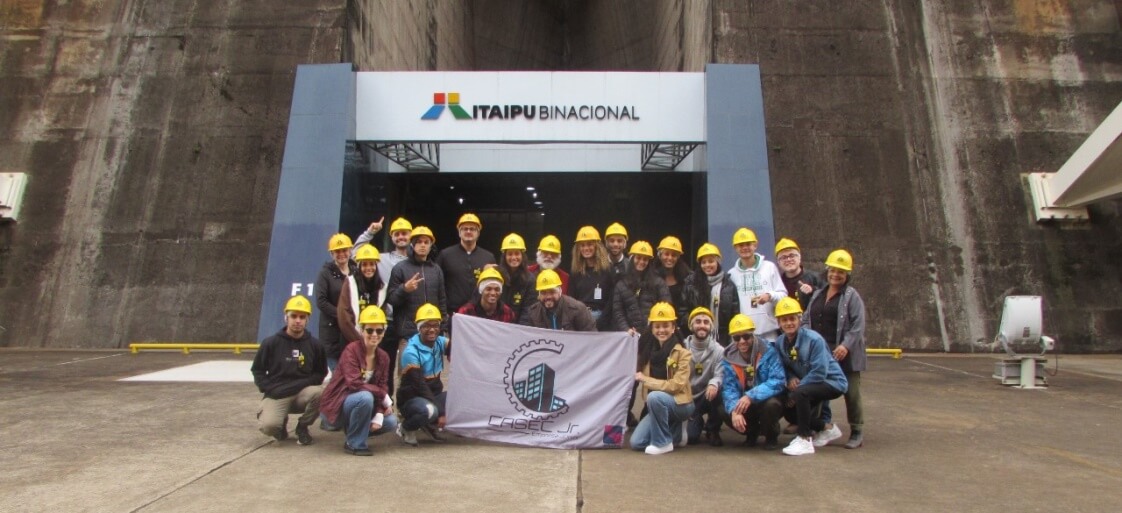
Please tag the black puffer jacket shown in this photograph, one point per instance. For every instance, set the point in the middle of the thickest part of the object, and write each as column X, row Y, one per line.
column 328, row 286
column 633, row 298
column 697, row 292
column 519, row 290
column 405, row 304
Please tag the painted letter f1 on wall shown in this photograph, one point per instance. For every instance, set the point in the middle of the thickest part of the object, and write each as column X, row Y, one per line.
column 554, row 389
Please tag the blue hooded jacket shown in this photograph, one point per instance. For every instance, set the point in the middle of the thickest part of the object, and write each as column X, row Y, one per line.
column 810, row 360
column 766, row 379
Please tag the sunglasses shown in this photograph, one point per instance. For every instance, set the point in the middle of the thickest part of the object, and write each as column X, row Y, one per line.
column 738, row 338
column 371, row 331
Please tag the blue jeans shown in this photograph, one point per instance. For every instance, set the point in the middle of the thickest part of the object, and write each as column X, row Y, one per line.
column 331, row 363
column 419, row 412
column 358, row 410
column 827, row 413
column 663, row 424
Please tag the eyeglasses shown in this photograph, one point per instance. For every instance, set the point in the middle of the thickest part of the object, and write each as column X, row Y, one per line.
column 430, row 327
column 371, row 331
column 738, row 338
column 789, row 256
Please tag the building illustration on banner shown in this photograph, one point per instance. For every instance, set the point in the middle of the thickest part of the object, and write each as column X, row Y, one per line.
column 534, row 395
column 536, row 392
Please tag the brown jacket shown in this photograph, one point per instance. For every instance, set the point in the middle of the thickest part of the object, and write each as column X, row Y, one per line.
column 572, row 315
column 678, row 370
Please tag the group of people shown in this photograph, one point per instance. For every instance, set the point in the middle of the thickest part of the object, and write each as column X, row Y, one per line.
column 741, row 348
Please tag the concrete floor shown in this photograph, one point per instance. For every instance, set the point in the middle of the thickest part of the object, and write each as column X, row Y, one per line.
column 941, row 435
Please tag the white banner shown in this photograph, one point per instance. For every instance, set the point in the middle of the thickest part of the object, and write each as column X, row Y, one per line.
column 545, row 388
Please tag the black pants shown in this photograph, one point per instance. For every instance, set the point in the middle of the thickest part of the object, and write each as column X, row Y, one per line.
column 762, row 417
column 808, row 399
column 389, row 344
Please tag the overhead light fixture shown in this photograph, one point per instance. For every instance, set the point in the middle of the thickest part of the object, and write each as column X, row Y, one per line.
column 535, row 195
column 537, row 202
column 461, row 200
column 530, row 188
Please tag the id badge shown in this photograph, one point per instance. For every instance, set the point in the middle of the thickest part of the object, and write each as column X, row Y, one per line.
column 596, row 294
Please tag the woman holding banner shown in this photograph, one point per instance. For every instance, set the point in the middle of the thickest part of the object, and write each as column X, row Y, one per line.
column 665, row 374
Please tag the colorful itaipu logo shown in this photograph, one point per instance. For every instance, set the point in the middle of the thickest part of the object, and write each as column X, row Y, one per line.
column 530, row 381
column 439, row 101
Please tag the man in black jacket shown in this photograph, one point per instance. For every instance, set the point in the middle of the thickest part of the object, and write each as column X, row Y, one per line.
column 463, row 262
column 289, row 369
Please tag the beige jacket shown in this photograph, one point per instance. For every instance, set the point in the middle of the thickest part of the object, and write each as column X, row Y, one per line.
column 678, row 369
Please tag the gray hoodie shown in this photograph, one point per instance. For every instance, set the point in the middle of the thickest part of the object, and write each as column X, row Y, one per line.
column 706, row 363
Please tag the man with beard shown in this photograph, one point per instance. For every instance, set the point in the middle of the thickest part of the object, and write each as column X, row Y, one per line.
column 752, row 385
column 706, row 355
column 463, row 262
column 289, row 369
column 615, row 239
column 549, row 257
column 556, row 311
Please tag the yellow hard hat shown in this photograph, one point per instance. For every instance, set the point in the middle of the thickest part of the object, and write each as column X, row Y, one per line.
column 400, row 224
column 367, row 252
column 642, row 247
column 743, row 235
column 339, row 241
column 741, row 323
column 708, row 249
column 840, row 259
column 701, row 310
column 588, row 234
column 662, row 311
column 550, row 244
column 548, row 279
column 490, row 273
column 788, row 306
column 427, row 312
column 513, row 241
column 298, row 304
column 469, row 218
column 615, row 229
column 372, row 315
column 672, row 243
column 422, row 230
column 785, row 243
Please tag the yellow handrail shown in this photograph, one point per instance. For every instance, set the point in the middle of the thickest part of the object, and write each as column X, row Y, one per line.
column 136, row 347
column 896, row 353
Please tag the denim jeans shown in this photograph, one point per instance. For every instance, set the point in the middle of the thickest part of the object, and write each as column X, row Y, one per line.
column 331, row 364
column 419, row 412
column 358, row 410
column 663, row 424
column 706, row 417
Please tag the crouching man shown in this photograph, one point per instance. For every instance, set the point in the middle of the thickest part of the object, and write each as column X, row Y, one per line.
column 421, row 395
column 753, row 386
column 289, row 369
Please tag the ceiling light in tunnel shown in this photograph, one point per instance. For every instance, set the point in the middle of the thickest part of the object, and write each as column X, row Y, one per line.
column 461, row 200
column 535, row 195
column 530, row 188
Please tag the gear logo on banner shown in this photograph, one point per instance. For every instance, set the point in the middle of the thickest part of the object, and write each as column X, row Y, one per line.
column 530, row 380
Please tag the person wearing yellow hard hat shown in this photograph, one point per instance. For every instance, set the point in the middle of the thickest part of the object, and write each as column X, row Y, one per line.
column 664, row 372
column 673, row 269
column 753, row 385
column 357, row 399
column 328, row 288
column 799, row 283
column 758, row 283
column 813, row 376
column 638, row 290
column 289, row 369
column 413, row 282
column 421, row 396
column 463, row 262
column 708, row 286
column 518, row 285
column 554, row 310
column 590, row 277
column 705, row 379
column 549, row 257
column 615, row 240
column 837, row 312
column 359, row 291
column 489, row 304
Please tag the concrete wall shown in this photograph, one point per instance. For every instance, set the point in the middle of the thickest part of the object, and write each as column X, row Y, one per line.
column 901, row 130
column 152, row 133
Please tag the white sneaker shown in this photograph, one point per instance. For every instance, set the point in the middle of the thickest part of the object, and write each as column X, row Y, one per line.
column 655, row 450
column 826, row 436
column 685, row 436
column 799, row 446
column 409, row 437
